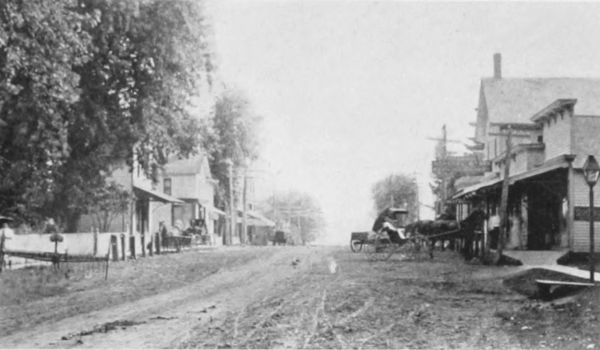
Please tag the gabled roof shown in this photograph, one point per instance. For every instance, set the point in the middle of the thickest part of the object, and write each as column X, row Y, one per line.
column 516, row 100
column 192, row 165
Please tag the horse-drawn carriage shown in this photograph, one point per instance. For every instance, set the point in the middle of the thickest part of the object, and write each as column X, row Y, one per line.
column 423, row 234
column 379, row 245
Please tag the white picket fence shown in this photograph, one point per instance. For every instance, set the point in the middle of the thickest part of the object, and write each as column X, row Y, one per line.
column 73, row 243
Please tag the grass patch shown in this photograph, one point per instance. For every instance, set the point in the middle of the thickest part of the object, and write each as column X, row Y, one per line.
column 24, row 285
column 37, row 295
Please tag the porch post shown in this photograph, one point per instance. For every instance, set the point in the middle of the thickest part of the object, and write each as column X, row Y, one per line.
column 570, row 205
column 132, row 219
column 486, row 235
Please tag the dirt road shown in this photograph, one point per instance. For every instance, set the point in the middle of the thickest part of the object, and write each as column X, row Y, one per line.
column 165, row 319
column 281, row 297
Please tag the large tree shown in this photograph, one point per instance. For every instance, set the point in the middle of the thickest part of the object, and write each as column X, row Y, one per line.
column 397, row 190
column 126, row 72
column 40, row 42
column 231, row 138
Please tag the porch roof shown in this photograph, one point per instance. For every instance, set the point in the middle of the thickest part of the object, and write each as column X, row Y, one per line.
column 538, row 171
column 262, row 218
column 216, row 210
column 152, row 195
column 550, row 165
column 474, row 188
column 255, row 218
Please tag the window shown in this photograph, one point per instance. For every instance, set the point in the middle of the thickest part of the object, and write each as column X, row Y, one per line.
column 540, row 139
column 167, row 186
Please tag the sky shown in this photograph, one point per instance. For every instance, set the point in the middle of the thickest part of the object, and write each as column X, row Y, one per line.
column 350, row 91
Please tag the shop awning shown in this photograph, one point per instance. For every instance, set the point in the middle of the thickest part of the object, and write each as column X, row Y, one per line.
column 152, row 195
column 263, row 220
column 474, row 188
column 254, row 218
column 557, row 163
column 216, row 211
column 538, row 171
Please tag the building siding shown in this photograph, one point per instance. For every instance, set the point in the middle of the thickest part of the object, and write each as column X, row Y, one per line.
column 557, row 136
column 585, row 137
column 581, row 239
column 581, row 228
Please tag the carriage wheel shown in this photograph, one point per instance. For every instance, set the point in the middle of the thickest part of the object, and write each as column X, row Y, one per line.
column 356, row 245
column 379, row 249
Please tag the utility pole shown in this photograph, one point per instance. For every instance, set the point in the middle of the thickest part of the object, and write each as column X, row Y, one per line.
column 229, row 236
column 417, row 207
column 244, row 237
column 444, row 171
column 443, row 156
column 504, row 196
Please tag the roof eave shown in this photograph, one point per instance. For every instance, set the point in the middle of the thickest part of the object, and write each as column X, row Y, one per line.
column 553, row 108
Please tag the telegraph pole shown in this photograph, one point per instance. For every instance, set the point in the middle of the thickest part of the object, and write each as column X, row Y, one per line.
column 443, row 156
column 417, row 207
column 444, row 174
column 244, row 237
column 504, row 196
column 232, row 214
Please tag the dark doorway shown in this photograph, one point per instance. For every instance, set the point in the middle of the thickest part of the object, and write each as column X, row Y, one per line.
column 545, row 205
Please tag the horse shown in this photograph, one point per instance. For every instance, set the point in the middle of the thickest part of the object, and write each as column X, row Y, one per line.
column 465, row 229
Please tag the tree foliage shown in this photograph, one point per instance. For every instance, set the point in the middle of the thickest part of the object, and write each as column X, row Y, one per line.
column 231, row 135
column 397, row 190
column 85, row 85
column 40, row 42
column 297, row 210
column 106, row 204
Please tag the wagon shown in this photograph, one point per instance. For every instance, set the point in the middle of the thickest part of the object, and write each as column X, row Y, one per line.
column 379, row 246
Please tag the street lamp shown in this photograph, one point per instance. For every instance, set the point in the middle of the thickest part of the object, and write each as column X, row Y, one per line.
column 591, row 171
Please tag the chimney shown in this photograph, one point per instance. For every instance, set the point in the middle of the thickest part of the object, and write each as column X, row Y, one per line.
column 497, row 66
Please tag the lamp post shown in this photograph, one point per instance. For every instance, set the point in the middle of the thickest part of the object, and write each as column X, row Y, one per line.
column 591, row 171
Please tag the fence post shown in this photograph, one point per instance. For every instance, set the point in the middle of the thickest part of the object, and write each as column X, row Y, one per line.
column 158, row 243
column 95, row 234
column 123, row 246
column 107, row 258
column 132, row 246
column 143, row 241
column 115, row 249
column 1, row 251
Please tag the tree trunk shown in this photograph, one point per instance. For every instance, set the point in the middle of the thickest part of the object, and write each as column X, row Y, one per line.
column 72, row 222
